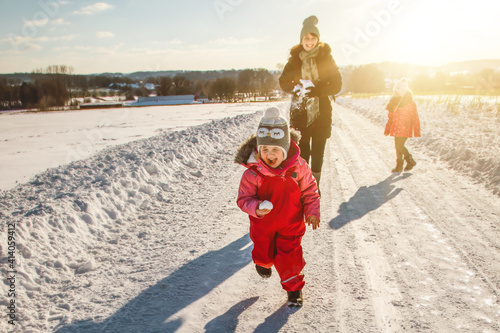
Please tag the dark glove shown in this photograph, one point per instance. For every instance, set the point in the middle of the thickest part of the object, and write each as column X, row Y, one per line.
column 313, row 92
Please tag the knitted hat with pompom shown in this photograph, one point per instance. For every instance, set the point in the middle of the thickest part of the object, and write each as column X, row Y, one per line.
column 309, row 26
column 401, row 87
column 273, row 131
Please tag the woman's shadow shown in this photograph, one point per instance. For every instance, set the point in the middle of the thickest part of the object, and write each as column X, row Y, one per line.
column 151, row 310
column 367, row 199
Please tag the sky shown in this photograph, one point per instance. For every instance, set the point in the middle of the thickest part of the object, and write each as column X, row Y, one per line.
column 153, row 35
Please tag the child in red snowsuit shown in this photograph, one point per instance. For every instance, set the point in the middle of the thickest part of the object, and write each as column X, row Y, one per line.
column 277, row 191
column 402, row 123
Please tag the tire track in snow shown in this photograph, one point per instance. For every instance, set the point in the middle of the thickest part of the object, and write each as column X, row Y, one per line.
column 380, row 292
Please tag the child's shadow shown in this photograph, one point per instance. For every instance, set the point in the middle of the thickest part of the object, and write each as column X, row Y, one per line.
column 151, row 310
column 366, row 200
column 229, row 320
column 276, row 321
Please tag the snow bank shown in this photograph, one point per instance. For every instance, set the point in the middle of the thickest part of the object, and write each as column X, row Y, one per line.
column 462, row 131
column 63, row 212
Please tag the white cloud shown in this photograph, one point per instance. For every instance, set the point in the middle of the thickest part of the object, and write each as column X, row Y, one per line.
column 111, row 50
column 52, row 24
column 104, row 34
column 174, row 41
column 83, row 48
column 16, row 39
column 26, row 47
column 235, row 41
column 61, row 48
column 51, row 39
column 92, row 9
column 140, row 50
column 37, row 23
column 59, row 21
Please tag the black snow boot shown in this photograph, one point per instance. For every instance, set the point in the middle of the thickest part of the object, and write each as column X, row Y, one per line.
column 399, row 166
column 295, row 298
column 410, row 162
column 264, row 272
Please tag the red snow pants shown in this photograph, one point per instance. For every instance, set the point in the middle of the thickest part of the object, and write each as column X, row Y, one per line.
column 277, row 236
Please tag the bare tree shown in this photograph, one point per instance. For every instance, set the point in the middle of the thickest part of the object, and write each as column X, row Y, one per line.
column 181, row 85
column 224, row 89
column 164, row 85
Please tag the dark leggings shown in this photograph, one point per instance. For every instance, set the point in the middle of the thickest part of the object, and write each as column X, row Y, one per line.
column 400, row 147
column 312, row 149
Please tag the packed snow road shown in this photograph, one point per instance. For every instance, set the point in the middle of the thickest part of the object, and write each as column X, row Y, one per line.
column 412, row 252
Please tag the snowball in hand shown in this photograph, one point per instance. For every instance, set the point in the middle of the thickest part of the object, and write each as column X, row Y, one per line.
column 306, row 83
column 266, row 205
column 303, row 88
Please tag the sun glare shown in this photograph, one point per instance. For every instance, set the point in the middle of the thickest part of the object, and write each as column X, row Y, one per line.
column 420, row 43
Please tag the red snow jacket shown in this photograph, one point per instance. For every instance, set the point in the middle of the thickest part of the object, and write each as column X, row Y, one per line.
column 293, row 168
column 402, row 121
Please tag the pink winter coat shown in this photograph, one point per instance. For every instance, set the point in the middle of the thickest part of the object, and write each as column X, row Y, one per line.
column 253, row 178
column 403, row 121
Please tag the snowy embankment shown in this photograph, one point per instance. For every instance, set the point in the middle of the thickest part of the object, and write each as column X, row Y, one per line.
column 464, row 132
column 94, row 203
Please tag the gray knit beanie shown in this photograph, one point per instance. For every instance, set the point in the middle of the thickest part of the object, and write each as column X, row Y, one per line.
column 309, row 26
column 273, row 131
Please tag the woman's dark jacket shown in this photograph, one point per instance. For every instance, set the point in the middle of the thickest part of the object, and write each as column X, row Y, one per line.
column 330, row 83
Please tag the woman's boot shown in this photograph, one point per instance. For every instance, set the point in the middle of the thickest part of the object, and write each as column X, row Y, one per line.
column 399, row 166
column 410, row 162
column 317, row 176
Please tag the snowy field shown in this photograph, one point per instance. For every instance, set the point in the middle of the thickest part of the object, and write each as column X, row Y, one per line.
column 55, row 138
column 134, row 226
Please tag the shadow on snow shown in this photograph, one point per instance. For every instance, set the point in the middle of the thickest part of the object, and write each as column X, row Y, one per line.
column 229, row 320
column 151, row 309
column 367, row 199
column 276, row 321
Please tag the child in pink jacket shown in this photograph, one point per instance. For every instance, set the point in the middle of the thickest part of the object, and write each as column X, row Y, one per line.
column 277, row 191
column 402, row 123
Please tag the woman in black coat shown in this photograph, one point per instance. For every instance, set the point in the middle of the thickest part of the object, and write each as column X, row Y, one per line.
column 311, row 110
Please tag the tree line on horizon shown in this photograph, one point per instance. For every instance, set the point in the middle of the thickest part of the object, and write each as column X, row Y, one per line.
column 57, row 86
column 374, row 79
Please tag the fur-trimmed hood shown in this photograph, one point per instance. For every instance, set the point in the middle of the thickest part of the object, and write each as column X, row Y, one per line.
column 324, row 50
column 249, row 147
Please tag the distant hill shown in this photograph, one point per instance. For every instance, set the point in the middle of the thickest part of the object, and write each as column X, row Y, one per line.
column 16, row 76
column 472, row 66
column 395, row 70
column 140, row 76
column 143, row 75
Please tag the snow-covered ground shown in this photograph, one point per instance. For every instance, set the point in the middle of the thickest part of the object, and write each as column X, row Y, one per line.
column 138, row 230
column 461, row 130
column 32, row 142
